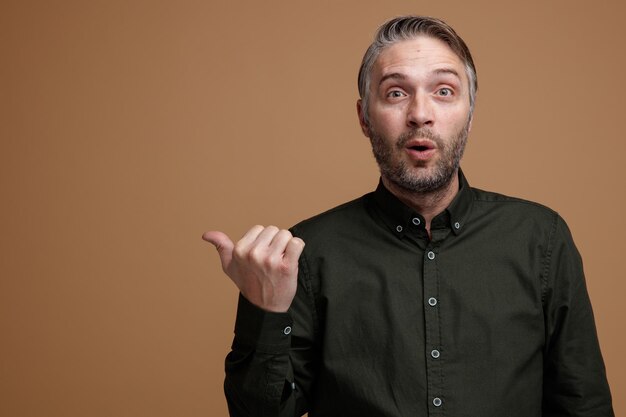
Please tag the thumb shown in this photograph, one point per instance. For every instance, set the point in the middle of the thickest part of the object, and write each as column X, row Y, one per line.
column 223, row 244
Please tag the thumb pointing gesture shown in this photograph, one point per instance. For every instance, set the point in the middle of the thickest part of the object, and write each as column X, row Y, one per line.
column 263, row 264
column 223, row 244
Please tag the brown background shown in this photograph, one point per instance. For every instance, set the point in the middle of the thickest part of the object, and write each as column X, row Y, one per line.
column 128, row 128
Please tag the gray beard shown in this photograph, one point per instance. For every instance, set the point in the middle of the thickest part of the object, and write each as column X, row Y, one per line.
column 399, row 174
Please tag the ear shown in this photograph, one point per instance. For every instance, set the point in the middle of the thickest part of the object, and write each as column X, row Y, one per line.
column 365, row 127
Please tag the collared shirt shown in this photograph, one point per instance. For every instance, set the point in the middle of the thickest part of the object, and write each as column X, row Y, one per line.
column 489, row 317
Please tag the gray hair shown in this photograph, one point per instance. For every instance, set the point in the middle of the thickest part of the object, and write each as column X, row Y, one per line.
column 407, row 28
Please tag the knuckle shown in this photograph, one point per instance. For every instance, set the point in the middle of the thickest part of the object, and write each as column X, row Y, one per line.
column 269, row 263
column 272, row 229
column 256, row 254
column 285, row 233
column 239, row 251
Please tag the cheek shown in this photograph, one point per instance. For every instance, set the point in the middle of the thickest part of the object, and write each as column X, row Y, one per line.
column 388, row 121
column 456, row 120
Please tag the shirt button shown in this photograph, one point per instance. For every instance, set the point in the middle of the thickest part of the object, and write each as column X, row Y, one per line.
column 416, row 221
column 399, row 228
column 432, row 301
column 435, row 353
column 431, row 255
column 457, row 225
column 287, row 330
column 437, row 402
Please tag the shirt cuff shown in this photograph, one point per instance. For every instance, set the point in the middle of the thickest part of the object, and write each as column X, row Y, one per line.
column 265, row 330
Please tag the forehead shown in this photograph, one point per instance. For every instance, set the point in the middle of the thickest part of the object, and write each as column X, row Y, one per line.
column 421, row 54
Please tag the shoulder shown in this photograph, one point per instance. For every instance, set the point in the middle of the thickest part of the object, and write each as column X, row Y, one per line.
column 516, row 218
column 512, row 206
column 340, row 218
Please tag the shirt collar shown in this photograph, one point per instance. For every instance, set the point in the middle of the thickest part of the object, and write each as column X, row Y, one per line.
column 402, row 219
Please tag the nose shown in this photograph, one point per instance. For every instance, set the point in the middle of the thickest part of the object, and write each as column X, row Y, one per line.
column 419, row 112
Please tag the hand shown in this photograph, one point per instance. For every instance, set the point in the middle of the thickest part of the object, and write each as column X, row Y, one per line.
column 263, row 265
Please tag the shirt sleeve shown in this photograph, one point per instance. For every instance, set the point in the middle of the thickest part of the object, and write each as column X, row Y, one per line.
column 270, row 369
column 575, row 381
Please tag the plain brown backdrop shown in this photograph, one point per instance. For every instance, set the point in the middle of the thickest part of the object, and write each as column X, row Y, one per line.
column 130, row 127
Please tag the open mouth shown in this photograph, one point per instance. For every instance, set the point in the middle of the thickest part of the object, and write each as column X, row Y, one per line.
column 420, row 148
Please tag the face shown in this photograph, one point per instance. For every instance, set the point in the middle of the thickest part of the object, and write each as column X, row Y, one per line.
column 419, row 114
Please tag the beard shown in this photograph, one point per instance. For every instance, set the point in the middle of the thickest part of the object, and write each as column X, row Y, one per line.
column 423, row 180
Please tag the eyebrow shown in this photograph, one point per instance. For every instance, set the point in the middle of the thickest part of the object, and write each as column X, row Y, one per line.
column 393, row 75
column 399, row 76
column 447, row 71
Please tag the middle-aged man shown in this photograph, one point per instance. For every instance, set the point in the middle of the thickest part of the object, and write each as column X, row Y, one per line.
column 425, row 297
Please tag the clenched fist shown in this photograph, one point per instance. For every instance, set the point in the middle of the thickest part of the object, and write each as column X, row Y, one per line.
column 263, row 265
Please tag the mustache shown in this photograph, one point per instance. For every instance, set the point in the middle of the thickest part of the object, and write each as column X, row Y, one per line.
column 421, row 133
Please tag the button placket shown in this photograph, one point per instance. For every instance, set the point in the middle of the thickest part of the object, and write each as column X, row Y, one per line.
column 434, row 371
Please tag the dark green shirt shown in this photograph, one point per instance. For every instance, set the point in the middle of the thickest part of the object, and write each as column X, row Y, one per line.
column 488, row 318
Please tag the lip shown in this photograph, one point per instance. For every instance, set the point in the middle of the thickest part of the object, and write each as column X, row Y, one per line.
column 420, row 149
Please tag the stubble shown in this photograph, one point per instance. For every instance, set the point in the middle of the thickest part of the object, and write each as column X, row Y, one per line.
column 414, row 179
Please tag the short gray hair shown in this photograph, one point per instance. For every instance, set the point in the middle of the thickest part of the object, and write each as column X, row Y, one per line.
column 406, row 28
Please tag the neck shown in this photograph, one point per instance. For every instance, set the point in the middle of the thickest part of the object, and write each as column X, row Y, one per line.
column 429, row 203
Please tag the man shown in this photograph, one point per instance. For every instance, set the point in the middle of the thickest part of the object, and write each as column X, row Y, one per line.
column 425, row 297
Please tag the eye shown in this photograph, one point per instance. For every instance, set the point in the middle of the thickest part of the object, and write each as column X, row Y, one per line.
column 395, row 94
column 444, row 92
